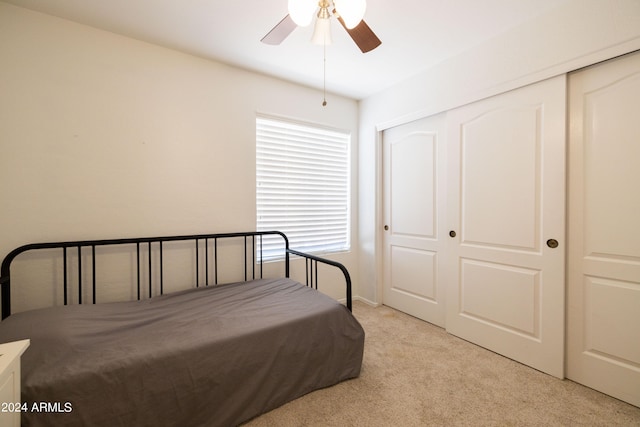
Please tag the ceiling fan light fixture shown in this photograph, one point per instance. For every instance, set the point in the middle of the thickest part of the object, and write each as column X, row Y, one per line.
column 351, row 11
column 302, row 11
column 322, row 32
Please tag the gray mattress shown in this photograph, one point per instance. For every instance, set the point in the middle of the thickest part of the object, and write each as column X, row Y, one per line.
column 213, row 356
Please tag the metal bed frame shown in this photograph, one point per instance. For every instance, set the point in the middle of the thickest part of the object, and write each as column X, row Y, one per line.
column 252, row 239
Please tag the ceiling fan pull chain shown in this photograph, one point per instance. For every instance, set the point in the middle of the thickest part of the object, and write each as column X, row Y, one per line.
column 324, row 76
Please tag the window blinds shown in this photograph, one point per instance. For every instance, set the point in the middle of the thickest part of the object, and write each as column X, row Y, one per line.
column 302, row 186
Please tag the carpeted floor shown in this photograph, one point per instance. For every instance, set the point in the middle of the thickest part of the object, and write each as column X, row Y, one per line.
column 415, row 374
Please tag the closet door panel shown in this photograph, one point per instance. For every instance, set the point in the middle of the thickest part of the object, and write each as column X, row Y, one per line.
column 506, row 181
column 414, row 206
column 603, row 339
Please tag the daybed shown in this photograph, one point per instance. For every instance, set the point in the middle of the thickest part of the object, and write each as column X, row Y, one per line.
column 213, row 355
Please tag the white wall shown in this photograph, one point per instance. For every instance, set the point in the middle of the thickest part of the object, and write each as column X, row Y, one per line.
column 577, row 34
column 103, row 136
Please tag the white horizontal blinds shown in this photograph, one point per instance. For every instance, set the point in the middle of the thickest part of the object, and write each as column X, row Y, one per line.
column 302, row 185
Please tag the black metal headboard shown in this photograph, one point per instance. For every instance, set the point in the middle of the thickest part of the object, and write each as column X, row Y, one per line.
column 252, row 240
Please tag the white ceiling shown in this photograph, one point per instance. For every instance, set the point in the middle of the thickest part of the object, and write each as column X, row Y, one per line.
column 415, row 34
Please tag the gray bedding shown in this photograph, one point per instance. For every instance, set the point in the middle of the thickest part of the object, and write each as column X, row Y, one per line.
column 213, row 356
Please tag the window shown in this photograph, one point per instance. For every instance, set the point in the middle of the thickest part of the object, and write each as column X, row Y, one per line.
column 302, row 186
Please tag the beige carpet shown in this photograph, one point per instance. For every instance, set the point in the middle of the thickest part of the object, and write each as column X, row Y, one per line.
column 415, row 374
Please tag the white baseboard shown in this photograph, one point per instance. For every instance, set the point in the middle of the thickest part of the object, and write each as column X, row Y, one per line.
column 366, row 301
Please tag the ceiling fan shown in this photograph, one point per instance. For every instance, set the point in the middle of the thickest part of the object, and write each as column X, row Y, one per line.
column 348, row 12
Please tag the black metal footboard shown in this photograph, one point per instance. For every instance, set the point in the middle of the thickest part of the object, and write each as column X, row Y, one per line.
column 206, row 265
column 311, row 269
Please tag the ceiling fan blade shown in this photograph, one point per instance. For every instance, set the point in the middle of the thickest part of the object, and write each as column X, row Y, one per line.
column 362, row 35
column 280, row 31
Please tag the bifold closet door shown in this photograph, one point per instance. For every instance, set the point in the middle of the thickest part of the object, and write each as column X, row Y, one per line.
column 506, row 214
column 603, row 323
column 414, row 207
